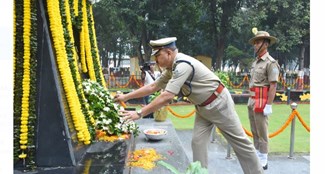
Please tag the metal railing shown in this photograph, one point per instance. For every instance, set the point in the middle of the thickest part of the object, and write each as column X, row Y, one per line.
column 133, row 81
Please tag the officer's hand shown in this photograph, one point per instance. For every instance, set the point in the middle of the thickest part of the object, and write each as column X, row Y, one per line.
column 119, row 97
column 129, row 115
column 267, row 110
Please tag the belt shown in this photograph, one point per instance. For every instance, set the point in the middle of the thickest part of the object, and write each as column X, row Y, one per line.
column 213, row 96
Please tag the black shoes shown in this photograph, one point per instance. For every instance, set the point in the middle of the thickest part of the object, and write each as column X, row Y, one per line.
column 265, row 167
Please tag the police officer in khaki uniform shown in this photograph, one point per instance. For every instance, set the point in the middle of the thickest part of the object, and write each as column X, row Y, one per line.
column 213, row 103
column 264, row 76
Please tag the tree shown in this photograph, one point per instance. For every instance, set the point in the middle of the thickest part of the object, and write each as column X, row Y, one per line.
column 220, row 14
column 287, row 20
column 204, row 27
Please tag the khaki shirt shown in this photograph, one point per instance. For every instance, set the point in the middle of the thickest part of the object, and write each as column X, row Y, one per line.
column 203, row 84
column 264, row 71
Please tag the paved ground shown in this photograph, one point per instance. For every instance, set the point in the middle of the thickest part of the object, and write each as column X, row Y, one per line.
column 218, row 164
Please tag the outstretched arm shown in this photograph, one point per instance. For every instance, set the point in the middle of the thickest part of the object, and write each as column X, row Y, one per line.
column 163, row 99
column 141, row 92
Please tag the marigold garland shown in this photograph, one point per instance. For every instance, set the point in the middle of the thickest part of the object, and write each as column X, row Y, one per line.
column 25, row 24
column 18, row 73
column 136, row 81
column 56, row 29
column 241, row 83
column 87, row 166
column 72, row 57
column 132, row 77
column 301, row 120
column 26, row 79
column 75, row 7
column 92, row 33
column 180, row 116
column 284, row 126
column 87, row 44
column 102, row 136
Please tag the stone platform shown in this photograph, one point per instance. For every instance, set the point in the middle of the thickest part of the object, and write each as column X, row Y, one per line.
column 170, row 147
column 111, row 157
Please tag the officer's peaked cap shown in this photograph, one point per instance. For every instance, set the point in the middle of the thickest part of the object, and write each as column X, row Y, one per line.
column 156, row 45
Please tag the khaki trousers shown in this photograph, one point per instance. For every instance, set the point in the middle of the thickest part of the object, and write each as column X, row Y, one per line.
column 259, row 127
column 221, row 113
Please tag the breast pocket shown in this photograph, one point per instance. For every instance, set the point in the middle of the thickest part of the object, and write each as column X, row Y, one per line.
column 259, row 75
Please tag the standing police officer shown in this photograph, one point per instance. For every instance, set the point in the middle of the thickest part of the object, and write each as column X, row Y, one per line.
column 264, row 76
column 213, row 103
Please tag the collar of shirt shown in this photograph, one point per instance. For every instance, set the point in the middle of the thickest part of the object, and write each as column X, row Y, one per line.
column 263, row 56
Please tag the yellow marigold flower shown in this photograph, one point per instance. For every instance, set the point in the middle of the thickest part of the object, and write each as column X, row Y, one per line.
column 23, row 141
column 23, row 127
column 87, row 142
column 24, row 130
column 23, row 137
column 23, row 147
column 24, row 119
column 80, row 135
column 24, row 122
column 23, row 155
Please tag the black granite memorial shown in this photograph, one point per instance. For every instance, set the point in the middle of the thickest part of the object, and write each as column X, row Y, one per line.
column 57, row 148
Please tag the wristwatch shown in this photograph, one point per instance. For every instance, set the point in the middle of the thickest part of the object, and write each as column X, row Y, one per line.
column 139, row 112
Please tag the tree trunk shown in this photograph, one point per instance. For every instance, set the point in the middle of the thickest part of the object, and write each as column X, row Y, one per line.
column 145, row 45
column 302, row 57
column 140, row 58
column 220, row 52
column 104, row 58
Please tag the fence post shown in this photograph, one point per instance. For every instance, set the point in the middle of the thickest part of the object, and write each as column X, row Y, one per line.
column 288, row 90
column 292, row 134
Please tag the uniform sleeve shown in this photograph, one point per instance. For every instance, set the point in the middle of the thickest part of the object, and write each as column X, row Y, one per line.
column 273, row 72
column 180, row 74
column 163, row 79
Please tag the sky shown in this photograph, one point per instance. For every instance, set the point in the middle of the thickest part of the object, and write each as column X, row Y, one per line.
column 317, row 95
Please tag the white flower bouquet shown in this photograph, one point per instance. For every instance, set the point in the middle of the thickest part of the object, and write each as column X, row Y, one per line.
column 105, row 112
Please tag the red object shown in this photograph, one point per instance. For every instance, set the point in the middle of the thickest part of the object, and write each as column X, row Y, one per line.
column 170, row 152
column 260, row 97
column 213, row 96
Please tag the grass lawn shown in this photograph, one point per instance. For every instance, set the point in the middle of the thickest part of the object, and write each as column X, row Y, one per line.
column 281, row 112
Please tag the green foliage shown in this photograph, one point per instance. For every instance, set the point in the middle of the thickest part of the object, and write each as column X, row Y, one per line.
column 193, row 168
column 203, row 27
column 224, row 77
column 153, row 96
column 169, row 167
